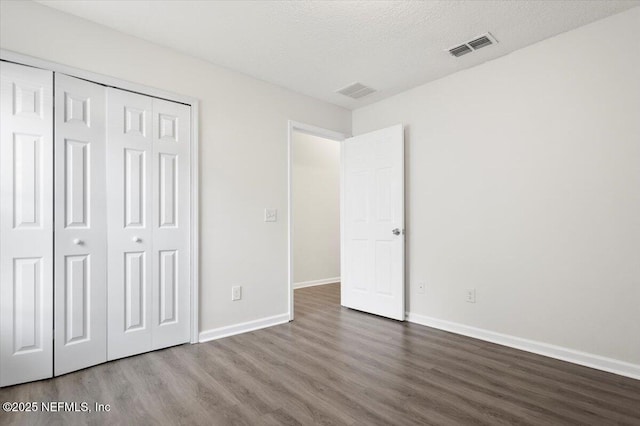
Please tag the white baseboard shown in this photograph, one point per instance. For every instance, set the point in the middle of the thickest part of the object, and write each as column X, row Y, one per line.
column 316, row 282
column 558, row 352
column 231, row 330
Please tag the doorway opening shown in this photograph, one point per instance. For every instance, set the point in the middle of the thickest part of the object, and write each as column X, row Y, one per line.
column 314, row 210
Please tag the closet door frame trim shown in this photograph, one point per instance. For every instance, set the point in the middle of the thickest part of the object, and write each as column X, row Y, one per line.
column 194, row 103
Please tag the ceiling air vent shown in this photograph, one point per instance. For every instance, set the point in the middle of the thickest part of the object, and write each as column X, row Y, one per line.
column 480, row 42
column 457, row 51
column 356, row 90
column 470, row 46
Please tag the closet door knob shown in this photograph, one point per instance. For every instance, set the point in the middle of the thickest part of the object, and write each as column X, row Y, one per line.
column 136, row 239
column 77, row 241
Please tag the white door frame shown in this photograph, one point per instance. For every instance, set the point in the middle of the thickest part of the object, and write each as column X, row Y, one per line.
column 309, row 129
column 194, row 103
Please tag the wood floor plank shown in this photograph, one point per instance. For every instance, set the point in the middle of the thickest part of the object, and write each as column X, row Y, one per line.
column 336, row 366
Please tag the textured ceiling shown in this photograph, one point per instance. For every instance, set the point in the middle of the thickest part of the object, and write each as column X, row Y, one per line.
column 317, row 47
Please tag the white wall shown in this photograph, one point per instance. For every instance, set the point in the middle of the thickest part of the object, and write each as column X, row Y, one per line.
column 316, row 208
column 523, row 179
column 243, row 149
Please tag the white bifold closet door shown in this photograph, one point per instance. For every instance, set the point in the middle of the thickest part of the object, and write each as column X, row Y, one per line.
column 26, row 224
column 80, row 248
column 171, row 221
column 110, row 276
column 148, row 172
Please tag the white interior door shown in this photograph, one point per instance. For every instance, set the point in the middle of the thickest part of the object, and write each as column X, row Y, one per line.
column 373, row 222
column 119, row 171
column 148, row 151
column 80, row 248
column 129, row 207
column 171, row 322
column 26, row 224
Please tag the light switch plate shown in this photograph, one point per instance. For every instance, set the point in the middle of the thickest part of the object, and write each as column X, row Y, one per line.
column 270, row 215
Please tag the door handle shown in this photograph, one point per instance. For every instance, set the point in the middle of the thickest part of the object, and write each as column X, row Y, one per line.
column 77, row 241
column 396, row 231
column 136, row 239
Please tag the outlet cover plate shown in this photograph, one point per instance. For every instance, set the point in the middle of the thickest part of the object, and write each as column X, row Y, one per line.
column 270, row 215
column 421, row 286
column 471, row 295
column 236, row 292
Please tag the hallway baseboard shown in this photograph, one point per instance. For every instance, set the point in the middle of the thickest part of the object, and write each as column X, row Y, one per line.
column 324, row 281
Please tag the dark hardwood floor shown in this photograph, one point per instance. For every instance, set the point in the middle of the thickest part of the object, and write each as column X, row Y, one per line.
column 337, row 366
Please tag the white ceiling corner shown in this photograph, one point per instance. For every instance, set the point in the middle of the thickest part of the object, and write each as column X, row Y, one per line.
column 318, row 47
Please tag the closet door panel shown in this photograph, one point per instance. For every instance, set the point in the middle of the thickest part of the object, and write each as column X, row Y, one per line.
column 129, row 207
column 80, row 248
column 171, row 223
column 26, row 224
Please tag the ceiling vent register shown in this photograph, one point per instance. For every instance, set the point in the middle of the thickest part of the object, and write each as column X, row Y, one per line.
column 473, row 45
column 356, row 91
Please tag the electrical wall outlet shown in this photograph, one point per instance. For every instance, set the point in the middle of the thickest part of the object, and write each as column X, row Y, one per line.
column 270, row 215
column 471, row 295
column 236, row 292
column 421, row 286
